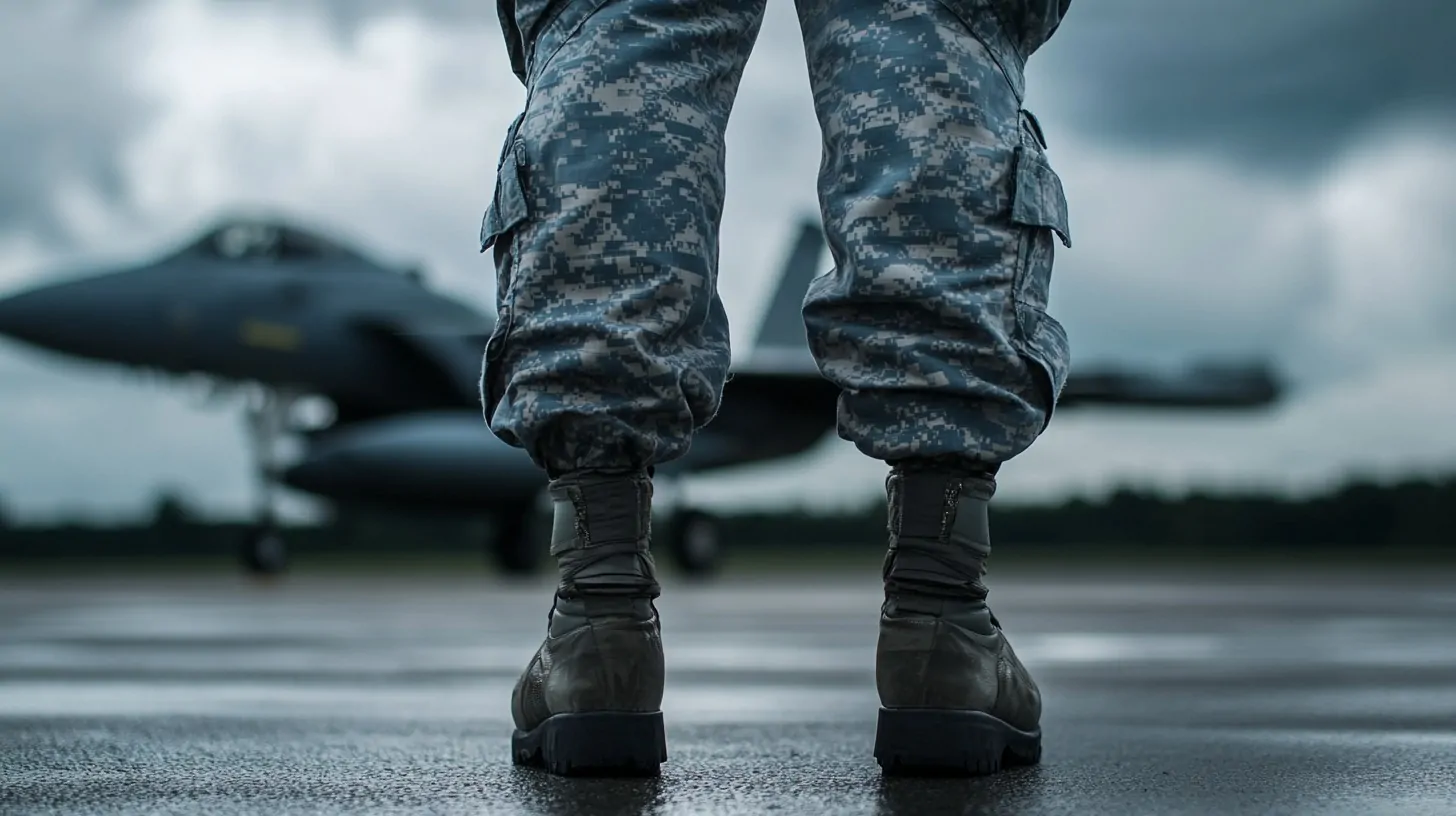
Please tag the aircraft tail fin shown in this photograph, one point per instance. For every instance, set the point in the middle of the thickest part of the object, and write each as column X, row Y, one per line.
column 780, row 345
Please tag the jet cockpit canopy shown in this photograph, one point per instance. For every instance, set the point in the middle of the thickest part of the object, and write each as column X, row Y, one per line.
column 268, row 241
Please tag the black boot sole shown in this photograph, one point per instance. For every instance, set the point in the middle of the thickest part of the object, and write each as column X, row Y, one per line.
column 935, row 742
column 605, row 743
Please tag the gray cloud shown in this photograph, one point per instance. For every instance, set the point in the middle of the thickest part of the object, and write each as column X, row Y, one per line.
column 66, row 107
column 1282, row 85
column 386, row 130
column 70, row 105
column 1285, row 86
column 348, row 16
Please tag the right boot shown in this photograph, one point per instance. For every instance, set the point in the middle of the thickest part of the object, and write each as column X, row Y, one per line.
column 590, row 701
column 955, row 700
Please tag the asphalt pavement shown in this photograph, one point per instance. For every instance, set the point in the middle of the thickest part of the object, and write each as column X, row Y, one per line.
column 1167, row 691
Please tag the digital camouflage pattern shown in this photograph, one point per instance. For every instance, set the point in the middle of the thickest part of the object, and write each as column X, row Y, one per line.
column 938, row 203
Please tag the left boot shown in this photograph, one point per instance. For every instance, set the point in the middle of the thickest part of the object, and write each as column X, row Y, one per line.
column 590, row 701
column 955, row 700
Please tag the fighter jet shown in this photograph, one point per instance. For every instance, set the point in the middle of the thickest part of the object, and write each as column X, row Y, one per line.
column 284, row 313
column 279, row 312
column 267, row 302
column 775, row 405
column 289, row 314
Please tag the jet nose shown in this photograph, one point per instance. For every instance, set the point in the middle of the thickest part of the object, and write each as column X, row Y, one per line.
column 28, row 316
column 101, row 317
column 447, row 458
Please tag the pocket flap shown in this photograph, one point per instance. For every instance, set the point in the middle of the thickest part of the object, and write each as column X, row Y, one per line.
column 508, row 206
column 1039, row 199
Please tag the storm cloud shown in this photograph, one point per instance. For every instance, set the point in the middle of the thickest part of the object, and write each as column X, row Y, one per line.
column 1284, row 86
column 66, row 110
column 1272, row 180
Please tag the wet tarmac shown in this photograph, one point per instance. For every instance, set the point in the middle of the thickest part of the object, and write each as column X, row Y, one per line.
column 1253, row 692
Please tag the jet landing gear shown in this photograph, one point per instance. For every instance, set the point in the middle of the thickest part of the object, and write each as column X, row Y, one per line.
column 692, row 539
column 695, row 541
column 514, row 548
column 263, row 550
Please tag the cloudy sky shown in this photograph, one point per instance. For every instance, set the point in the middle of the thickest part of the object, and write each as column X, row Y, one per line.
column 1245, row 178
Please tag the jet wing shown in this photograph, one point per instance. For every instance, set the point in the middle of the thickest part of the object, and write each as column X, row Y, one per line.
column 1207, row 386
column 453, row 351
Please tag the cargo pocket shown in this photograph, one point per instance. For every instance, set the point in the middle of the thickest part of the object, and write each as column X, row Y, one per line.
column 508, row 210
column 1039, row 207
column 508, row 203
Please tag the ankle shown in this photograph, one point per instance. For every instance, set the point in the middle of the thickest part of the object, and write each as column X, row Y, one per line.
column 601, row 531
column 949, row 466
column 939, row 537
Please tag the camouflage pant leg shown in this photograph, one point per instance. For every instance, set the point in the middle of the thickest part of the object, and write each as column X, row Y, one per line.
column 611, row 345
column 940, row 209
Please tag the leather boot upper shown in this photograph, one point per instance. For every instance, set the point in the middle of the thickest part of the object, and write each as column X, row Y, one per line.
column 603, row 648
column 940, row 647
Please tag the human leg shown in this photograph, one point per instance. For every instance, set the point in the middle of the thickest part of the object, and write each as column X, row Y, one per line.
column 611, row 345
column 940, row 209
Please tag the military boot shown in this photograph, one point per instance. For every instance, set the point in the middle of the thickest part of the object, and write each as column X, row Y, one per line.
column 954, row 698
column 590, row 702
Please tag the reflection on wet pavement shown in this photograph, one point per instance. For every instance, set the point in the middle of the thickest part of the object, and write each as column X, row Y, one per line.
column 1165, row 693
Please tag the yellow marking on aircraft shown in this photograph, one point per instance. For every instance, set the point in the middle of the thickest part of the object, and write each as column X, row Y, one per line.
column 271, row 336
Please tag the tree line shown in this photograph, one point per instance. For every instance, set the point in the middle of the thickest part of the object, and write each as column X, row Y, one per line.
column 1411, row 515
column 1416, row 515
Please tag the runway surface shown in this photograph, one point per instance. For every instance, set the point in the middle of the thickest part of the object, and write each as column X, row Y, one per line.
column 1166, row 692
